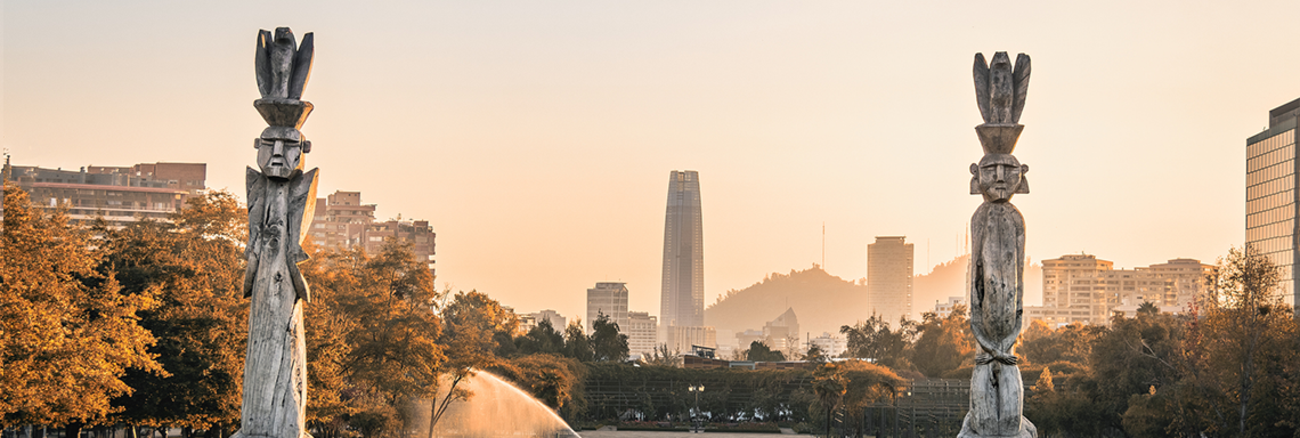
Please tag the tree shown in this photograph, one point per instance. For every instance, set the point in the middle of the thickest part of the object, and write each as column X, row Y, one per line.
column 873, row 340
column 67, row 332
column 554, row 380
column 868, row 384
column 829, row 384
column 1072, row 343
column 815, row 355
column 663, row 357
column 759, row 352
column 192, row 264
column 576, row 343
column 542, row 338
column 472, row 324
column 1241, row 352
column 1132, row 357
column 944, row 343
column 607, row 344
column 390, row 353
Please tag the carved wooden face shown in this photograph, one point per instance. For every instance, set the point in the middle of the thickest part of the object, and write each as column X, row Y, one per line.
column 999, row 176
column 279, row 158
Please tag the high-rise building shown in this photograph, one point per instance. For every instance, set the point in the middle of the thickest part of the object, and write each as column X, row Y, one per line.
column 1188, row 280
column 641, row 330
column 889, row 278
column 1074, row 290
column 682, row 299
column 119, row 195
column 341, row 221
column 609, row 299
column 1082, row 288
column 1271, row 195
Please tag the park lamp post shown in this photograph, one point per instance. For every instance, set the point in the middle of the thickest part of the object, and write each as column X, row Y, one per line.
column 696, row 427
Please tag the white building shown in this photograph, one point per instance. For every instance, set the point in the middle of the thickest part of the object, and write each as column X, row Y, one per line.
column 945, row 309
column 642, row 331
column 831, row 345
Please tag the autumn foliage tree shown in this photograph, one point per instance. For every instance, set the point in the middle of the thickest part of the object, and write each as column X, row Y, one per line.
column 192, row 265
column 943, row 343
column 372, row 338
column 472, row 323
column 68, row 333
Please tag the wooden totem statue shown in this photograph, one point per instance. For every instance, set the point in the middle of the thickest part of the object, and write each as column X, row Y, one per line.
column 281, row 200
column 997, row 261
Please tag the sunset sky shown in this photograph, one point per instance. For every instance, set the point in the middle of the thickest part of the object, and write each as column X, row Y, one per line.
column 537, row 137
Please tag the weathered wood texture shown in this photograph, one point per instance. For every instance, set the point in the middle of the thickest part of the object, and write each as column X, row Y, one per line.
column 281, row 200
column 998, row 254
column 275, row 369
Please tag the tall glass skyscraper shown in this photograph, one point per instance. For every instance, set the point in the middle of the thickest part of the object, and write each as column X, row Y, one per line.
column 682, row 301
column 1271, row 194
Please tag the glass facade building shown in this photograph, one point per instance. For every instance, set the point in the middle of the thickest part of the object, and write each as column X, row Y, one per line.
column 1271, row 187
column 682, row 299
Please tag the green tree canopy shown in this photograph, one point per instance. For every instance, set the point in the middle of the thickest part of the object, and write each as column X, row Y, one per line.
column 576, row 343
column 873, row 339
column 607, row 344
column 759, row 352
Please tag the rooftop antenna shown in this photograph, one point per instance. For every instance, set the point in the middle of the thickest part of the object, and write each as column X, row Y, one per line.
column 823, row 245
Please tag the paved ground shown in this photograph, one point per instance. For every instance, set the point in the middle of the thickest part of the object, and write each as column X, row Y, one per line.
column 669, row 434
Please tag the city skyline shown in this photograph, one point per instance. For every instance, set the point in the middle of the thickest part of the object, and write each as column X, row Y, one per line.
column 855, row 115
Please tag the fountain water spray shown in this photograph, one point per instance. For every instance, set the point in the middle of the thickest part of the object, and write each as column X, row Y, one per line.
column 496, row 409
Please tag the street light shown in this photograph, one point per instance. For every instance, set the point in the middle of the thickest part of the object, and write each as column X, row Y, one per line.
column 696, row 427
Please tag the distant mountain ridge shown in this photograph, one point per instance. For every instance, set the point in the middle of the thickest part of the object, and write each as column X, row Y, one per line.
column 823, row 303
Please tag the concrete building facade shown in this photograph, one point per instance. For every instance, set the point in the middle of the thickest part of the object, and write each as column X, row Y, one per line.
column 1084, row 289
column 889, row 278
column 609, row 299
column 342, row 221
column 1271, row 188
column 119, row 195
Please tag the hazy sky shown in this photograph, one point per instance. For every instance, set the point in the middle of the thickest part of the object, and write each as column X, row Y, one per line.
column 537, row 136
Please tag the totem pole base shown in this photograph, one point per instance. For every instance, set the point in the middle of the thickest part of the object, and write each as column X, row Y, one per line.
column 241, row 435
column 1027, row 430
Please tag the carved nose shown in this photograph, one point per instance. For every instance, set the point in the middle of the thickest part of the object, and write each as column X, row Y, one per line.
column 1001, row 173
column 278, row 149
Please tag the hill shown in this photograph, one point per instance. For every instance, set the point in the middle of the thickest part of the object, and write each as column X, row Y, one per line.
column 822, row 302
column 825, row 302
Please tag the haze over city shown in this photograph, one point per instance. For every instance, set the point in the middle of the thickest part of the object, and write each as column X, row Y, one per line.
column 538, row 138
